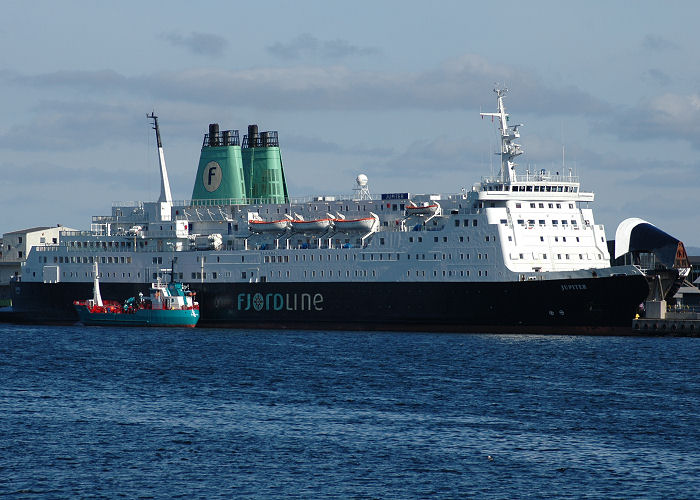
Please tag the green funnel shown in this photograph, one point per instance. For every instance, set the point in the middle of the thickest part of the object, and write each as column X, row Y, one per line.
column 220, row 178
column 262, row 167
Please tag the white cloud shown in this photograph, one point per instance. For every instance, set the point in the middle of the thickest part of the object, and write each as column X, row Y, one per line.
column 456, row 84
column 667, row 116
column 198, row 43
column 658, row 43
column 308, row 46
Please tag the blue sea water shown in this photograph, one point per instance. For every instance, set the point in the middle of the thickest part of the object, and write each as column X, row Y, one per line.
column 201, row 413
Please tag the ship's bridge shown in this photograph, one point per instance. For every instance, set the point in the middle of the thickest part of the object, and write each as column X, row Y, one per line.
column 542, row 185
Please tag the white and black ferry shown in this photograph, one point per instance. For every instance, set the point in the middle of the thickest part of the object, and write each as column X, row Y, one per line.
column 518, row 252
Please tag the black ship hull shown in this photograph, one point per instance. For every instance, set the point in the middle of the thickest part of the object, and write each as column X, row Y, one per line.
column 589, row 306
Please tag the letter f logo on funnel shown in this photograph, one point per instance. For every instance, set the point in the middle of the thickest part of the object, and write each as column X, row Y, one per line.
column 211, row 177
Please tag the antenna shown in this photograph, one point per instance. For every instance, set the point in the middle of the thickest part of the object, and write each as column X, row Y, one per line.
column 563, row 162
column 509, row 134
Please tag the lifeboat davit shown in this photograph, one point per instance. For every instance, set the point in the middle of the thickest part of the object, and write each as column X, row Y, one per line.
column 275, row 226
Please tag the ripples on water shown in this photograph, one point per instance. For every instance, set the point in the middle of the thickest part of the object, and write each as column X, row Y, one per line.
column 217, row 413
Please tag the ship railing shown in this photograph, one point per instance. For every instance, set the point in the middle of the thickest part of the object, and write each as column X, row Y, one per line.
column 128, row 204
column 223, row 138
column 680, row 312
column 102, row 219
column 68, row 234
column 265, row 139
column 535, row 177
column 297, row 200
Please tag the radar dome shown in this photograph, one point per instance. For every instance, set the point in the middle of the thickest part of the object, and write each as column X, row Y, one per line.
column 362, row 180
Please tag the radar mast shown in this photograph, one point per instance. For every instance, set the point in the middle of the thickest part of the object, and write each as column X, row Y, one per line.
column 509, row 148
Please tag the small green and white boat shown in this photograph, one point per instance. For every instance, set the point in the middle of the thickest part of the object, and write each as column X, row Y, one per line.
column 170, row 304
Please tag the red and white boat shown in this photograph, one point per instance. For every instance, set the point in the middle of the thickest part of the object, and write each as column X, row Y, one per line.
column 312, row 226
column 363, row 224
column 262, row 226
column 422, row 209
column 170, row 304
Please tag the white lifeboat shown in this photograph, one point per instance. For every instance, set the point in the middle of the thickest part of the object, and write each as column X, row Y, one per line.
column 312, row 226
column 363, row 224
column 424, row 209
column 262, row 226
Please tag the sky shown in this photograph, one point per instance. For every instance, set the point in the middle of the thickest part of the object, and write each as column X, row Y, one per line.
column 391, row 89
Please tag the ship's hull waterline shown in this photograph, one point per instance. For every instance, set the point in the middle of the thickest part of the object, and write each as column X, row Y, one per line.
column 594, row 305
column 142, row 317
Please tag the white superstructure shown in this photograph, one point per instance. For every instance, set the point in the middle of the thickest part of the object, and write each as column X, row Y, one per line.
column 514, row 227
